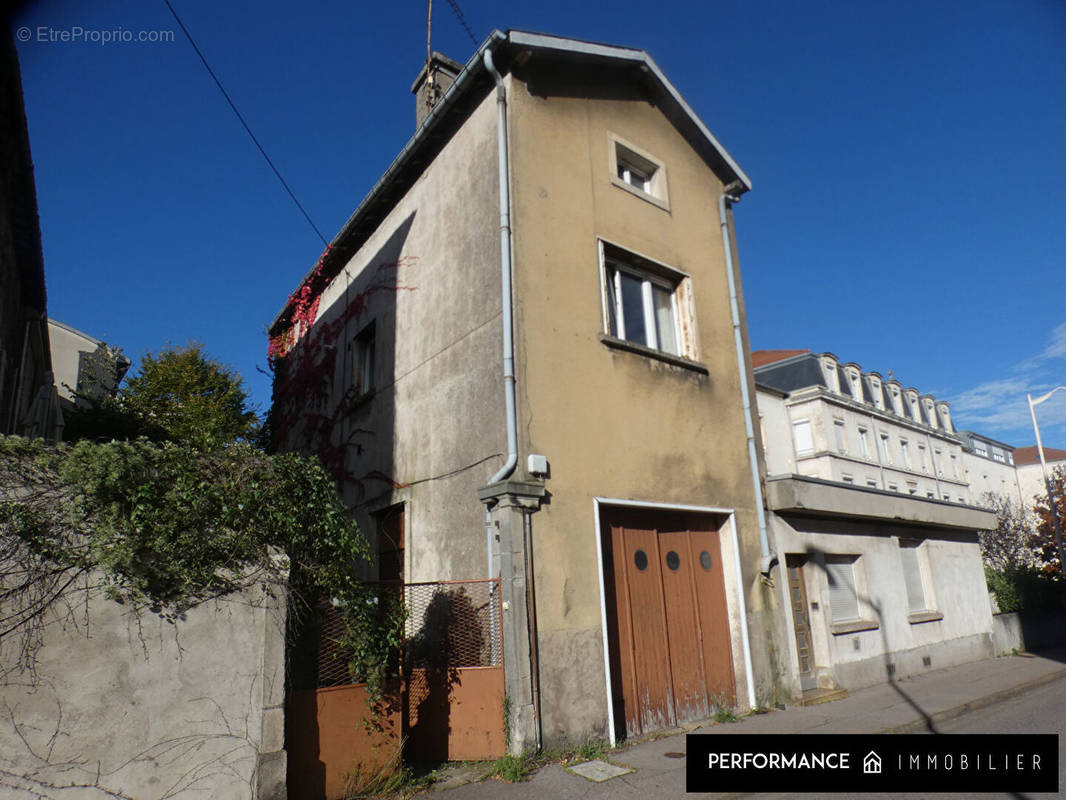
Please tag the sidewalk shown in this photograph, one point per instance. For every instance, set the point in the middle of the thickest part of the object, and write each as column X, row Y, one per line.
column 909, row 705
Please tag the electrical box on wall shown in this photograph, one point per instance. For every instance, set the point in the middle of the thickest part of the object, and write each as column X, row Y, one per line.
column 538, row 465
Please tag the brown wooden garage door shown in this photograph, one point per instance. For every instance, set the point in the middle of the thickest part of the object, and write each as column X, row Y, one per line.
column 668, row 627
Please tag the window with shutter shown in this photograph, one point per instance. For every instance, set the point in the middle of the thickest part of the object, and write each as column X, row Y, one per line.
column 912, row 576
column 843, row 602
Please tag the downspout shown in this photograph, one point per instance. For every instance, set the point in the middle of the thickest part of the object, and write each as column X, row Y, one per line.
column 505, row 273
column 728, row 196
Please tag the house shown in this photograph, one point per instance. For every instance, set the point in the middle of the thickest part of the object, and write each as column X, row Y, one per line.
column 872, row 516
column 28, row 404
column 525, row 357
column 84, row 368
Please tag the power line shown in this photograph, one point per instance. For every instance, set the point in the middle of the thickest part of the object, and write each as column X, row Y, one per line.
column 459, row 13
column 233, row 105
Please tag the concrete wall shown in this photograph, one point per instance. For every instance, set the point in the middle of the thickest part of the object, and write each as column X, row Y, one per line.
column 954, row 589
column 612, row 422
column 1031, row 481
column 991, row 477
column 129, row 704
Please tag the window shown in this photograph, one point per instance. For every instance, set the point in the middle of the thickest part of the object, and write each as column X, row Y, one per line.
column 916, row 411
column 1010, row 458
column 954, row 466
column 843, row 600
column 905, row 453
column 637, row 171
column 841, row 439
column 921, row 458
column 897, row 401
column 856, row 386
column 871, row 483
column 641, row 301
column 832, row 377
column 886, row 456
column 998, row 455
column 912, row 487
column 801, row 432
column 893, row 487
column 875, row 390
column 938, row 462
column 912, row 575
column 864, row 442
column 980, row 448
column 930, row 414
column 362, row 360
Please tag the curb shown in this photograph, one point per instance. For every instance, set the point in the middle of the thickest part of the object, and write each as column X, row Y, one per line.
column 981, row 702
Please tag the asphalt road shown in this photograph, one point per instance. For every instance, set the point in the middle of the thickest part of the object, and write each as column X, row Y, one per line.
column 1041, row 710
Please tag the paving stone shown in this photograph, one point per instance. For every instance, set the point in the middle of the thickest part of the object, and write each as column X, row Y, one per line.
column 599, row 771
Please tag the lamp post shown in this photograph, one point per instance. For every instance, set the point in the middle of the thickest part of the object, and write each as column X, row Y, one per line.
column 1047, row 481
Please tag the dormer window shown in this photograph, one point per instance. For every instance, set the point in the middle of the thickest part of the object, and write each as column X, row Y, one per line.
column 875, row 390
column 930, row 413
column 832, row 377
column 945, row 417
column 637, row 171
column 915, row 410
column 897, row 400
column 854, row 383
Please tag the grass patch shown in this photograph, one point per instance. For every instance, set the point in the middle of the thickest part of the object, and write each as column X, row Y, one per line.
column 513, row 769
column 724, row 715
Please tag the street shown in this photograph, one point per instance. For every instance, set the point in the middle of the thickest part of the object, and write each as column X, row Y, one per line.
column 1040, row 710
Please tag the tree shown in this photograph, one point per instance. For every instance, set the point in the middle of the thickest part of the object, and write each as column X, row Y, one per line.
column 1045, row 529
column 181, row 395
column 1012, row 544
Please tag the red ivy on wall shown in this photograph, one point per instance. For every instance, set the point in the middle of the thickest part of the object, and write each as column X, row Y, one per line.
column 305, row 416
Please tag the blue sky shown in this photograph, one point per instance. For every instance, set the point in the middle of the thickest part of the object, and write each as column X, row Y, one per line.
column 907, row 160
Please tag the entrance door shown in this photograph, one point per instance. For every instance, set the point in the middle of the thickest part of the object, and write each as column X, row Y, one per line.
column 801, row 623
column 671, row 658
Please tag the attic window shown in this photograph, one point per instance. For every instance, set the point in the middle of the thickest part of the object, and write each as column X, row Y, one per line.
column 637, row 171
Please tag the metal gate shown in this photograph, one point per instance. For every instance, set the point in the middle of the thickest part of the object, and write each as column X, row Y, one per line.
column 446, row 703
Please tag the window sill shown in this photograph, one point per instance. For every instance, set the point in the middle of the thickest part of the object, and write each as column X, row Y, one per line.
column 918, row 617
column 854, row 626
column 655, row 201
column 632, row 347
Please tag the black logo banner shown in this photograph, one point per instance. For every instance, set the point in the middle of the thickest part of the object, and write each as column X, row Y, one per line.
column 872, row 763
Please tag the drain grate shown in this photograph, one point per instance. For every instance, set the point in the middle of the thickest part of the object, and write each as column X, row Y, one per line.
column 674, row 755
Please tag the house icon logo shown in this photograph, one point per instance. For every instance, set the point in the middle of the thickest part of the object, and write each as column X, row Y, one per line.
column 871, row 765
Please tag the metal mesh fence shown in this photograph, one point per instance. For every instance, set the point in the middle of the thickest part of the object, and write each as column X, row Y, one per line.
column 449, row 624
column 453, row 624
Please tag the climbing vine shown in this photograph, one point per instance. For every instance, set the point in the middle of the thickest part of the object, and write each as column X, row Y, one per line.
column 306, row 414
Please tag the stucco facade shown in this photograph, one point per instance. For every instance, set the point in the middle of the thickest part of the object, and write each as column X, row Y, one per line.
column 654, row 427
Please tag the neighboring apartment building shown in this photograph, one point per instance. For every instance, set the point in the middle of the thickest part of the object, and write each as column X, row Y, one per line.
column 623, row 504
column 990, row 469
column 28, row 404
column 1031, row 484
column 873, row 520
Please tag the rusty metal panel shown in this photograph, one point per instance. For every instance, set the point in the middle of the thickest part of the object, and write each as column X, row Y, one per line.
column 327, row 740
column 455, row 715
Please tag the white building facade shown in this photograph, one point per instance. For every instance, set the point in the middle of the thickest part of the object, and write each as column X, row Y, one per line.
column 874, row 522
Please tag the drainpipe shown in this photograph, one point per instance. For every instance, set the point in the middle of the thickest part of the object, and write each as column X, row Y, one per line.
column 731, row 195
column 505, row 273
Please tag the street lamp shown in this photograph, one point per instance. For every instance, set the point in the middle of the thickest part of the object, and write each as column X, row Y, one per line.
column 1047, row 481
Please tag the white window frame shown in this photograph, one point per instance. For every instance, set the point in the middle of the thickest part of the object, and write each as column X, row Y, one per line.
column 626, row 161
column 864, row 442
column 855, row 382
column 840, row 433
column 905, row 453
column 809, row 436
column 921, row 458
column 886, row 453
column 614, row 261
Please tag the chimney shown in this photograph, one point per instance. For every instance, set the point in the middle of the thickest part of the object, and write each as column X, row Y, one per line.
column 442, row 73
